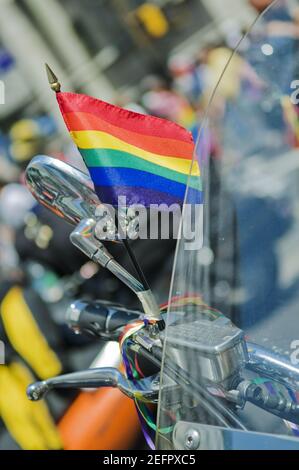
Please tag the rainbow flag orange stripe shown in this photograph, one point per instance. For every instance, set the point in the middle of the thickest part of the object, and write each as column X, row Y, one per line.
column 146, row 159
column 81, row 121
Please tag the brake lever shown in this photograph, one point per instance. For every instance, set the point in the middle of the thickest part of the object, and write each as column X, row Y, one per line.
column 145, row 389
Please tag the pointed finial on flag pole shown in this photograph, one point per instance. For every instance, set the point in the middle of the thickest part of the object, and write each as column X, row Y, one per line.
column 53, row 80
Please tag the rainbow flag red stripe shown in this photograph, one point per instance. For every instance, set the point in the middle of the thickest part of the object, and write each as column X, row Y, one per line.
column 146, row 159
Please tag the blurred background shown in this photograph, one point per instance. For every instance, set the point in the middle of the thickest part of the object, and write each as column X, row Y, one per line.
column 161, row 57
column 153, row 57
column 117, row 50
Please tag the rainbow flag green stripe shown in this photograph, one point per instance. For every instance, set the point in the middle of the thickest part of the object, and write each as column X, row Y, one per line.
column 117, row 159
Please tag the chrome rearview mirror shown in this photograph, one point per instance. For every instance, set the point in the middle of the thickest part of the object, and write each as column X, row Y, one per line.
column 63, row 189
column 69, row 193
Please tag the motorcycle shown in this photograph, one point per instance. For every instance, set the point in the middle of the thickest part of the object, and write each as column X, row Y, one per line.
column 215, row 367
column 35, row 292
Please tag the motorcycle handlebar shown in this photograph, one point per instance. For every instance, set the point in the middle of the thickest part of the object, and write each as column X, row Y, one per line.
column 99, row 318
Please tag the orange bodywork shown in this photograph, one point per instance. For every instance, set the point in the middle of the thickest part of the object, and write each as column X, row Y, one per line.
column 101, row 420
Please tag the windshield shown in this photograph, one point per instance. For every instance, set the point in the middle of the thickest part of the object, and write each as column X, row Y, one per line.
column 231, row 346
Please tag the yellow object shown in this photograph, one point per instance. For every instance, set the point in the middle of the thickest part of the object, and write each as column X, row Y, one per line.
column 25, row 129
column 25, row 335
column 25, row 135
column 187, row 117
column 23, row 151
column 30, row 424
column 229, row 86
column 153, row 19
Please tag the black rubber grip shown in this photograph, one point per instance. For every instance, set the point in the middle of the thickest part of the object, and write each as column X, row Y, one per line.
column 102, row 319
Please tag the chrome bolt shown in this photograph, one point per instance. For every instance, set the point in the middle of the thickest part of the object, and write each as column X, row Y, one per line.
column 192, row 440
column 156, row 384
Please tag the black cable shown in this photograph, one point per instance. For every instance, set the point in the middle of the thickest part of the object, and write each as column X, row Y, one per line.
column 136, row 265
column 131, row 254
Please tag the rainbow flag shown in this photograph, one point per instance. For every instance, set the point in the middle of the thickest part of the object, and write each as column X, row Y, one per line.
column 144, row 158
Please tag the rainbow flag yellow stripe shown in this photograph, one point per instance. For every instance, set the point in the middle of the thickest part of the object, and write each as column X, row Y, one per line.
column 104, row 141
